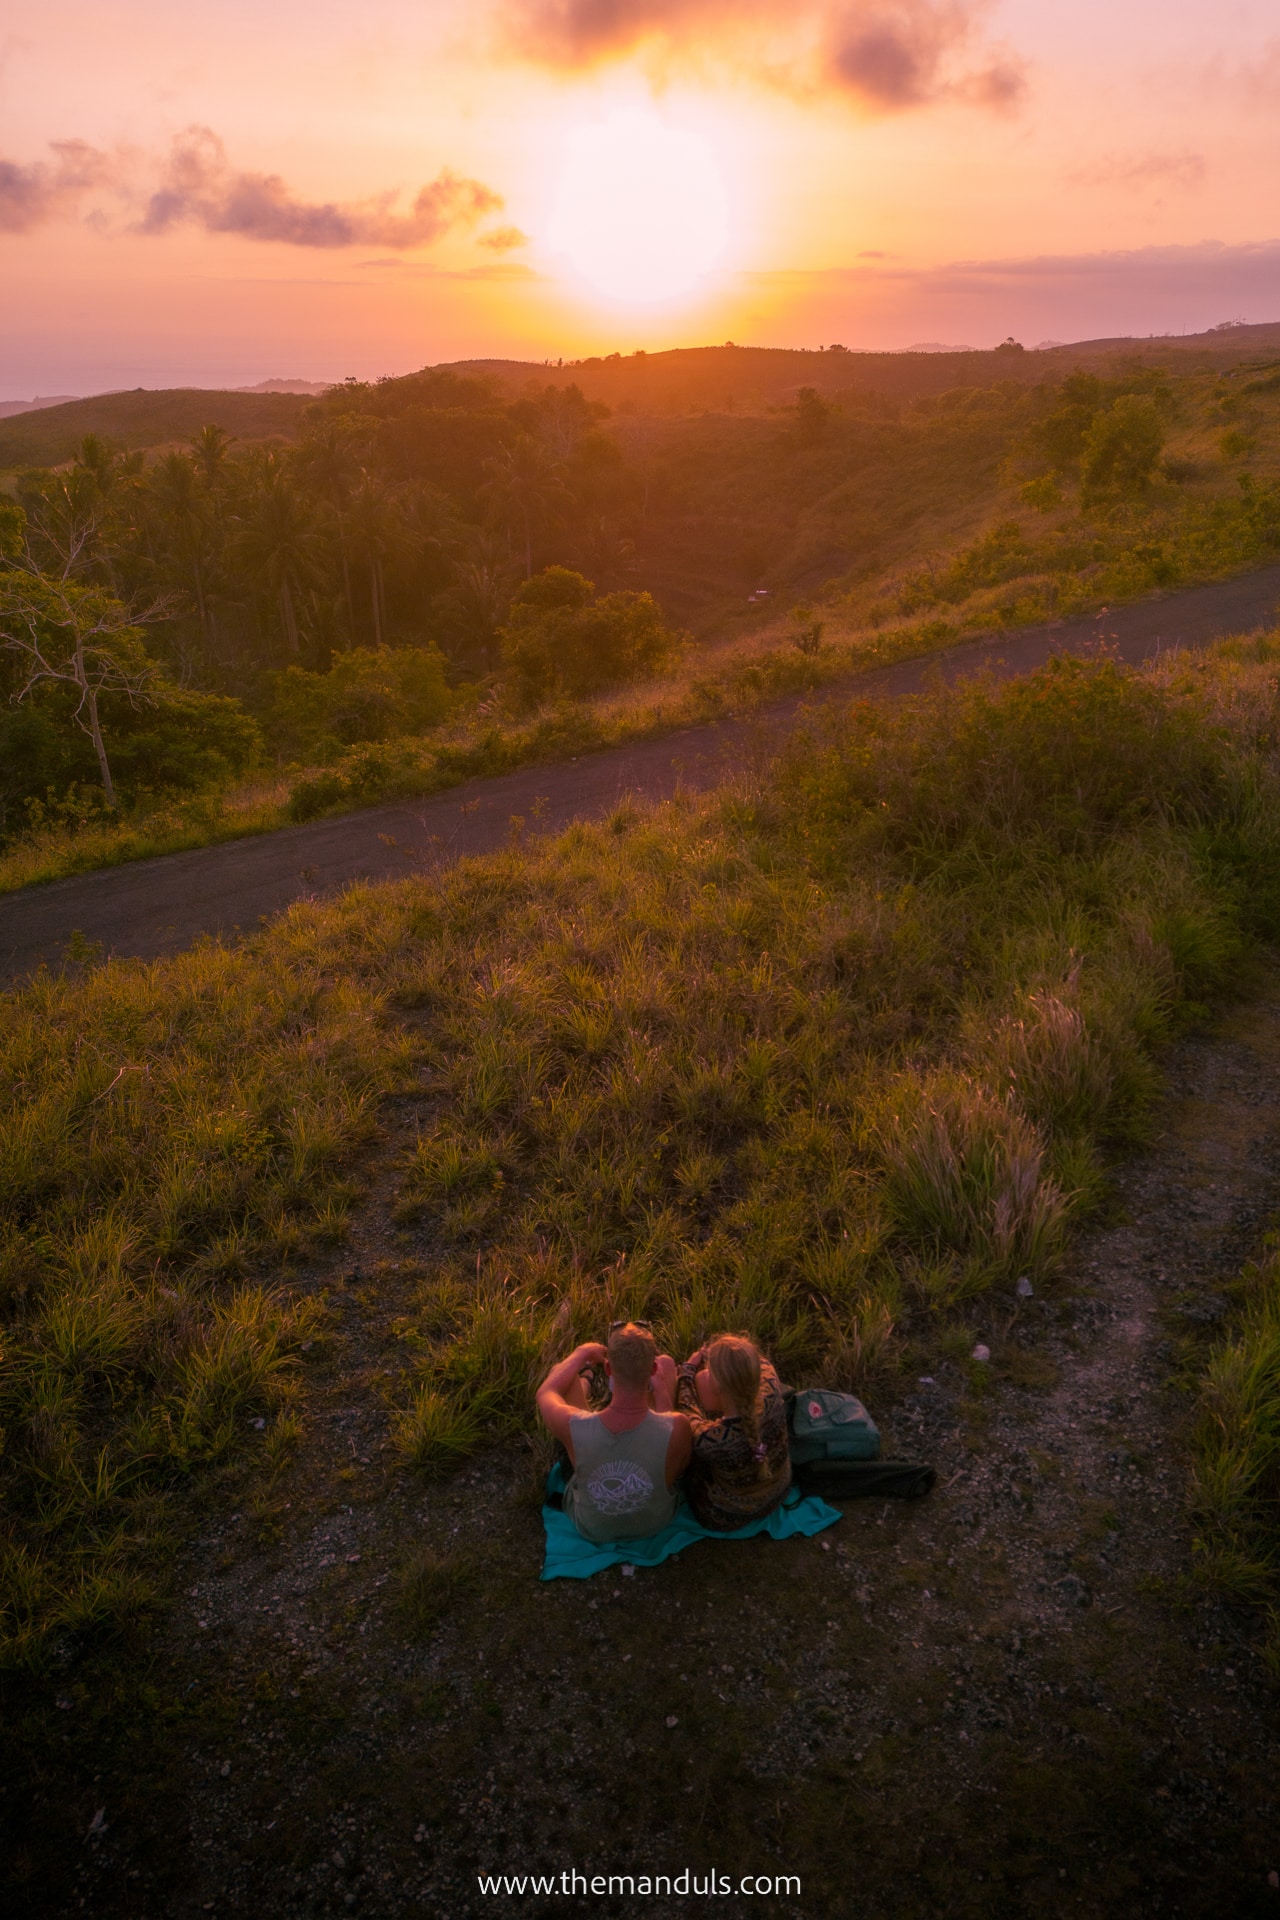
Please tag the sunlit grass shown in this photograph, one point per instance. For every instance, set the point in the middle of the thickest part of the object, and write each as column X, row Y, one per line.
column 169, row 1135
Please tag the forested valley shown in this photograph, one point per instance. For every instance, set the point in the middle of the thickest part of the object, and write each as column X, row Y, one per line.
column 442, row 559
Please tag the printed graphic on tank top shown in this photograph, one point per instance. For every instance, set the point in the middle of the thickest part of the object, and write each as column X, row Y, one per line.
column 619, row 1486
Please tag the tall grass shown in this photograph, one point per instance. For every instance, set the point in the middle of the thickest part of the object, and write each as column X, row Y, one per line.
column 1236, row 1479
column 814, row 1056
column 164, row 1131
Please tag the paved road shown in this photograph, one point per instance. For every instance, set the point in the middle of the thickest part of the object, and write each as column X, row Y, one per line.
column 159, row 906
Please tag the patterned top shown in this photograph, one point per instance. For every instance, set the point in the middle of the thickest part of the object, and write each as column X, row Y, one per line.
column 725, row 1485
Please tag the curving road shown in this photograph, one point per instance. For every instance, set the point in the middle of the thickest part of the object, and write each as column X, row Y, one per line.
column 158, row 906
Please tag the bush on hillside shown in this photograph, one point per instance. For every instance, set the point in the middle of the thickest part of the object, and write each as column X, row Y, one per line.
column 1122, row 446
column 1057, row 763
column 560, row 639
column 367, row 694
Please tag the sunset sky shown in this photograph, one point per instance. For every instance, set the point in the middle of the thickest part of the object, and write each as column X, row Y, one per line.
column 221, row 191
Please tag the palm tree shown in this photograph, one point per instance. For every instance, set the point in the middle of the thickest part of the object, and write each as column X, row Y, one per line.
column 209, row 450
column 524, row 489
column 278, row 540
column 328, row 462
column 378, row 528
column 481, row 598
column 183, row 504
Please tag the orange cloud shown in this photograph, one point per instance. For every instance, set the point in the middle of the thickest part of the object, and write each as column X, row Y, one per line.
column 199, row 187
column 503, row 239
column 202, row 188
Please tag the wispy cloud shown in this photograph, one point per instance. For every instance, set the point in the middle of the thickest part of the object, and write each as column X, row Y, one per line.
column 887, row 55
column 1252, row 83
column 200, row 187
column 46, row 190
column 503, row 239
column 1143, row 172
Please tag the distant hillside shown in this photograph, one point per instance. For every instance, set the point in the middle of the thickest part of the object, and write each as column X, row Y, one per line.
column 144, row 418
column 681, row 382
column 751, row 379
column 309, row 387
column 747, row 379
column 10, row 407
column 1234, row 337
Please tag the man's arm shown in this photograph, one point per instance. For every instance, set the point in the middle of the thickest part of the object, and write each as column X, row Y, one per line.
column 679, row 1449
column 557, row 1412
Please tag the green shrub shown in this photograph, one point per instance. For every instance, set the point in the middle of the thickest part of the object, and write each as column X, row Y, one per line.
column 1043, row 493
column 559, row 639
column 170, row 739
column 367, row 695
column 1122, row 446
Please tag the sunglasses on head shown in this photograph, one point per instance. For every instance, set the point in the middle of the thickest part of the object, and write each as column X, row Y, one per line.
column 615, row 1326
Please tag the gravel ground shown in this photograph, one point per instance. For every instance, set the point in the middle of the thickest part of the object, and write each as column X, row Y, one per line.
column 1007, row 1699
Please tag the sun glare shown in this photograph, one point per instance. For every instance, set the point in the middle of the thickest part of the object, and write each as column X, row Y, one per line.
column 641, row 209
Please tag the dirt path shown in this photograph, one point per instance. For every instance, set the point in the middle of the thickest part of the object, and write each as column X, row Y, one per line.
column 159, row 906
column 1007, row 1700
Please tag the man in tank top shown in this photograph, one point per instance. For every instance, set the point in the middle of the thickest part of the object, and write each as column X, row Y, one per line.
column 627, row 1457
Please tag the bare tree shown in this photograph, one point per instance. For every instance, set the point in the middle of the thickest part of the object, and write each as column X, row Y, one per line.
column 81, row 638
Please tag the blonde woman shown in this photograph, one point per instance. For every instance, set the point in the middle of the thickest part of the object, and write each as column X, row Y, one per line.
column 732, row 1398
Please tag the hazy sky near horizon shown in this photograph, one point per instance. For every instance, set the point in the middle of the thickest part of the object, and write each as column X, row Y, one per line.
column 221, row 192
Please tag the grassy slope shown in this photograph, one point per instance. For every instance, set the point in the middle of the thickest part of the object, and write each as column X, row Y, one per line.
column 820, row 1058
column 144, row 418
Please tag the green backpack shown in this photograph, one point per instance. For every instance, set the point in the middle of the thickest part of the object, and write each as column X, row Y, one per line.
column 830, row 1426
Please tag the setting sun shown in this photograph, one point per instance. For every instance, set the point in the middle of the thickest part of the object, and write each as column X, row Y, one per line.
column 640, row 211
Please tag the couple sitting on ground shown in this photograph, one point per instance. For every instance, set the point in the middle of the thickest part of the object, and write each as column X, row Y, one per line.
column 719, row 1422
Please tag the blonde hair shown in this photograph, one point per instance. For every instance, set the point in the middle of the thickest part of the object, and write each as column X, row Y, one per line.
column 632, row 1353
column 735, row 1366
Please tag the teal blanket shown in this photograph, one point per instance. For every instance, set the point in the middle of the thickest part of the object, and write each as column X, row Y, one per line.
column 570, row 1557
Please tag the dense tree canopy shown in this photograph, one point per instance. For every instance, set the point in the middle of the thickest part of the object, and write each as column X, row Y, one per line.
column 219, row 600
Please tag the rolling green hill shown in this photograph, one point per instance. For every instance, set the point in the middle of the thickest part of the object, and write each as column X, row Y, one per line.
column 144, row 417
column 681, row 381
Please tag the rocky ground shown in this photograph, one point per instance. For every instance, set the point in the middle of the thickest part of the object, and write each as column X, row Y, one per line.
column 1007, row 1699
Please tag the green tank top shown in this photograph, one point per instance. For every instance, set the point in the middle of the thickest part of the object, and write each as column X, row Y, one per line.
column 619, row 1486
